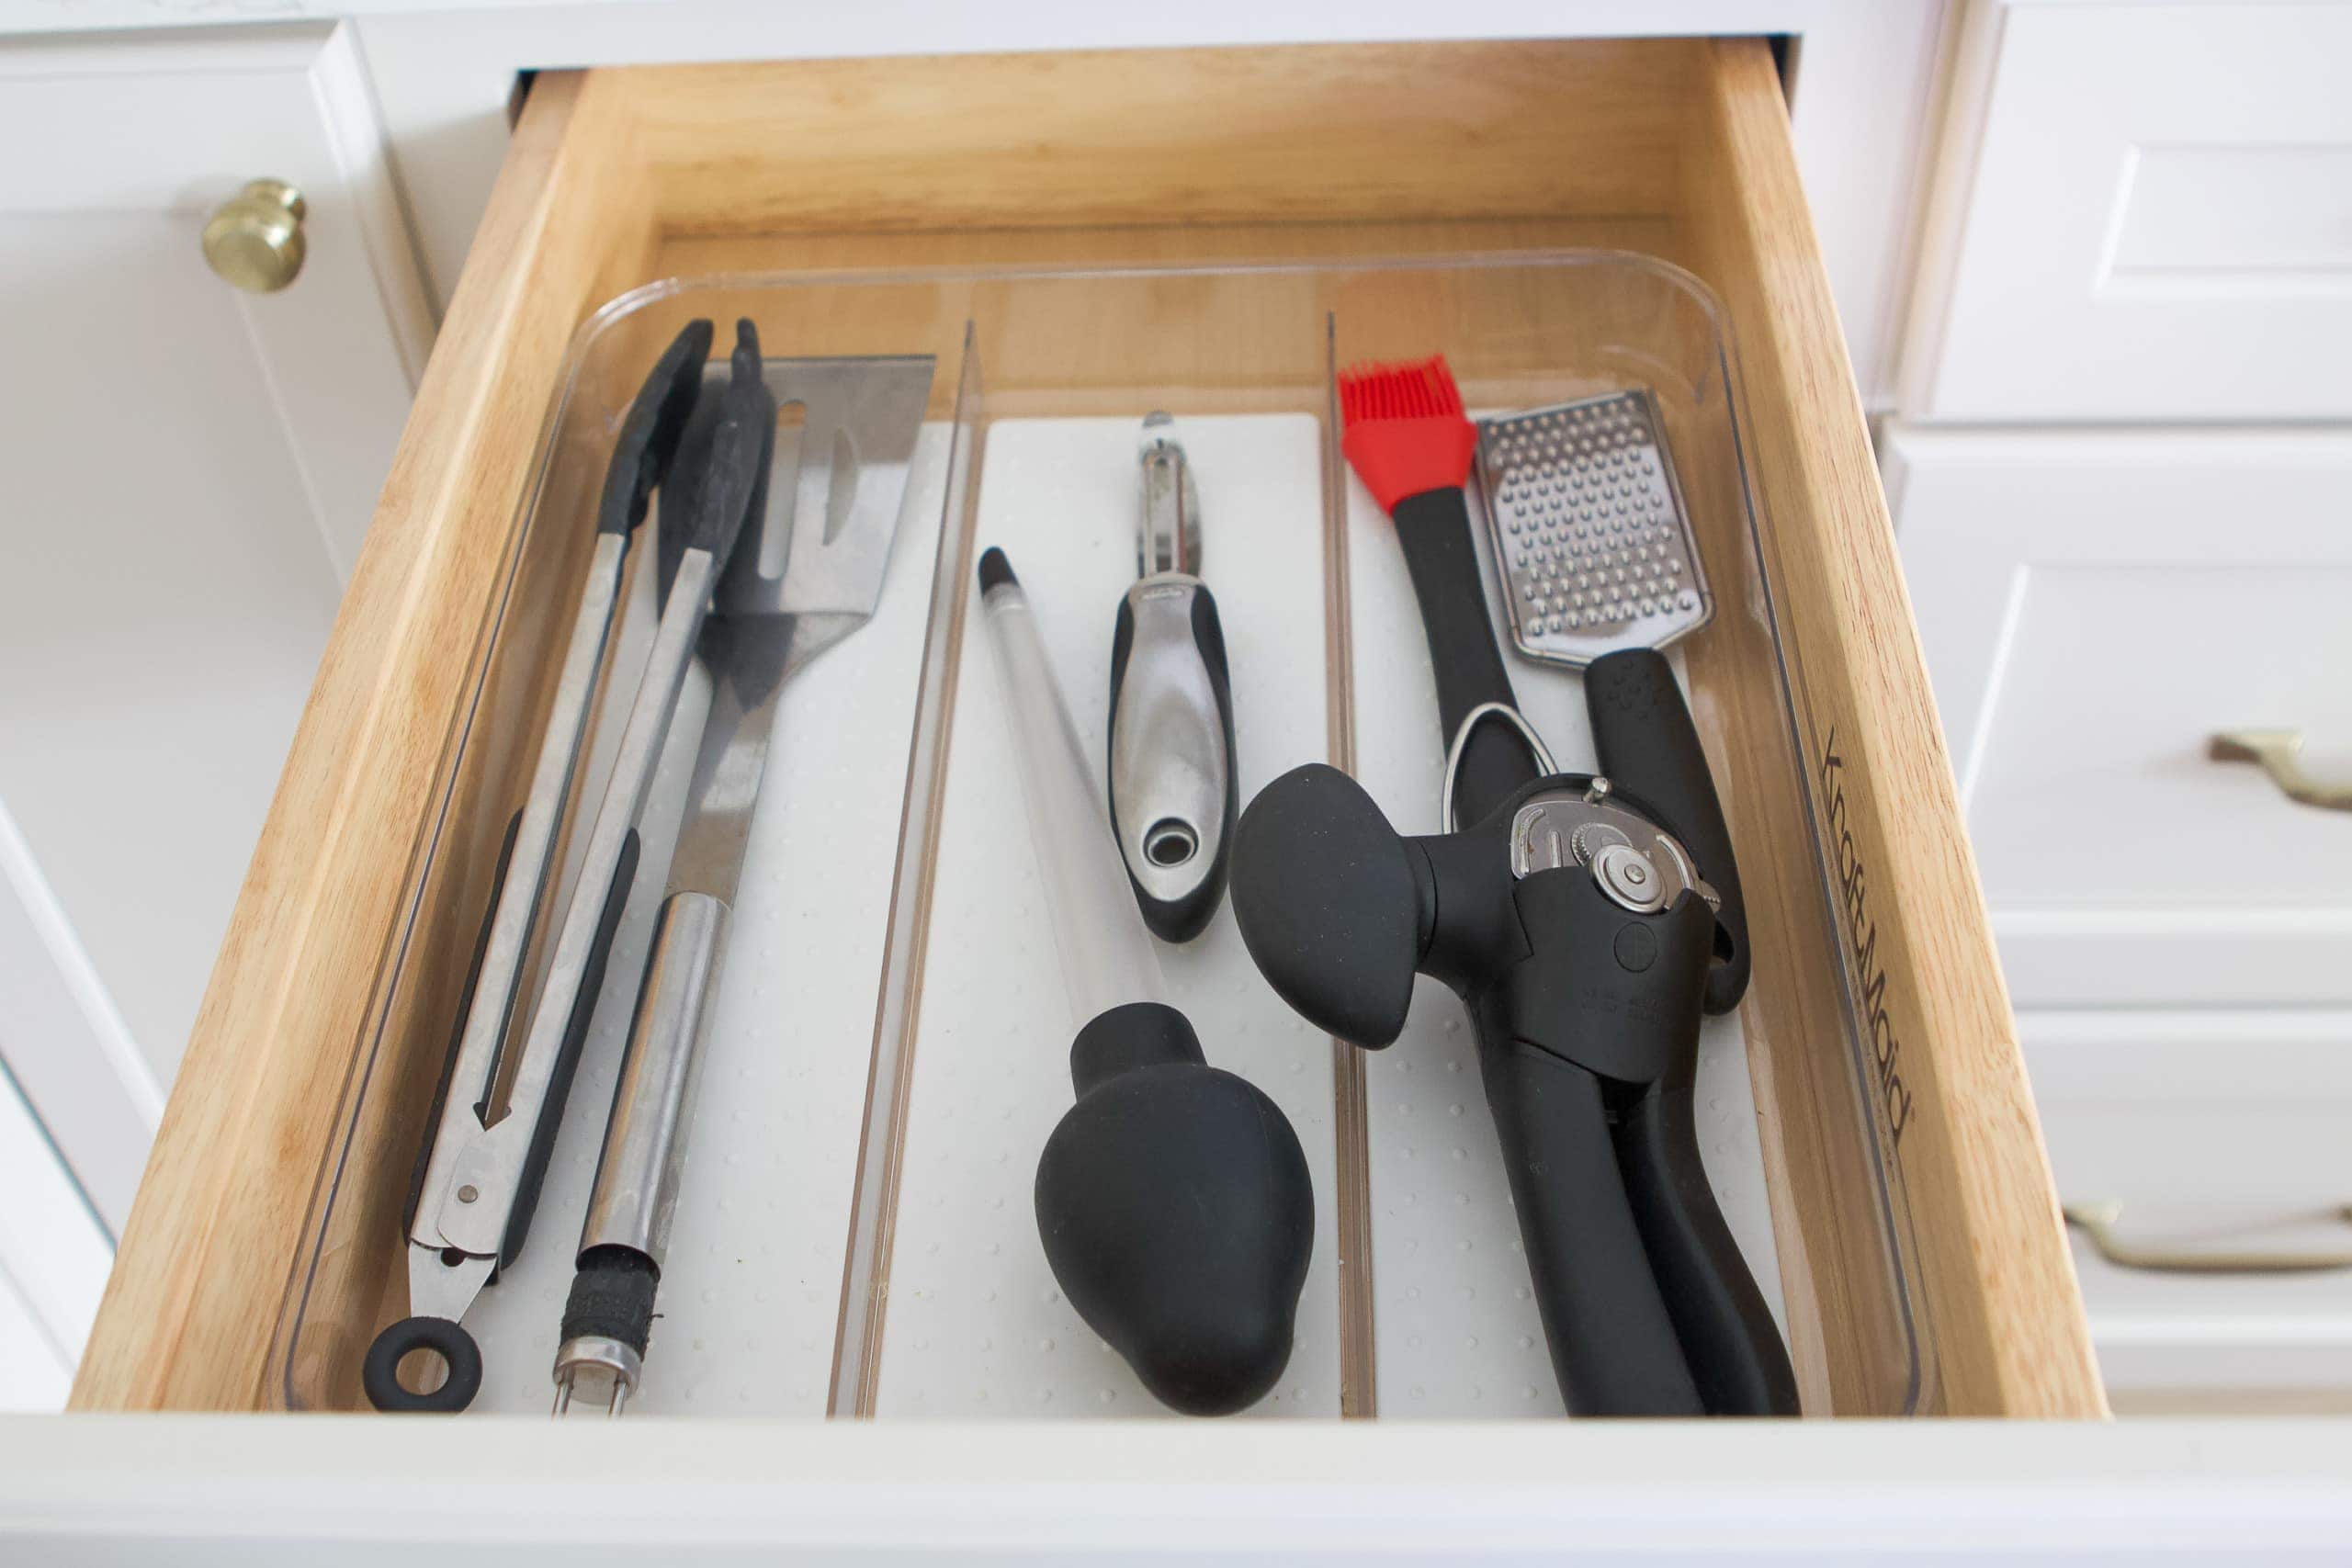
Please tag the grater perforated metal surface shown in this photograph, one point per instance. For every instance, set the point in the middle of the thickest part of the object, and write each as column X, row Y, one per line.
column 1589, row 528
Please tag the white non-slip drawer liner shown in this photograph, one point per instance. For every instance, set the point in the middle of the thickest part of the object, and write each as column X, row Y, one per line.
column 975, row 1326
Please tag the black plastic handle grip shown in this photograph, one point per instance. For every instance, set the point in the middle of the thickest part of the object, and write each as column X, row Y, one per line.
column 741, row 440
column 1433, row 528
column 567, row 1061
column 1647, row 744
column 1728, row 1336
column 1612, row 1339
column 648, row 438
column 1177, row 657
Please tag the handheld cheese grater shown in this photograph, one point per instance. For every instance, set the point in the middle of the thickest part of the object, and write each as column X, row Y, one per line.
column 1589, row 530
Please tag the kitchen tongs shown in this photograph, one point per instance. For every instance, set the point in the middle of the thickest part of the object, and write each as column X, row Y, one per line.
column 478, row 1179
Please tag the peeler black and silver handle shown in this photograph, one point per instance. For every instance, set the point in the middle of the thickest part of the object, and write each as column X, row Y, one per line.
column 1173, row 791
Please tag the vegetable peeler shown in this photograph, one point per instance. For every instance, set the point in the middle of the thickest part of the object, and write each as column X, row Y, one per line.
column 1173, row 793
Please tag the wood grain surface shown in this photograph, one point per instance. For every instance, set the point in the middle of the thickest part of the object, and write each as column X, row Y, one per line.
column 2004, row 1311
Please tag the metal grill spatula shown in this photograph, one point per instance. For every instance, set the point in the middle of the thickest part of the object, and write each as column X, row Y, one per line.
column 806, row 573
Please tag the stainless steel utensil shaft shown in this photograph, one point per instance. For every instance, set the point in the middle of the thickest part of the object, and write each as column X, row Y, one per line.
column 1106, row 954
column 636, row 1193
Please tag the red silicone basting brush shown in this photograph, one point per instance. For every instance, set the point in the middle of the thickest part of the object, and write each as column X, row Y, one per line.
column 1407, row 438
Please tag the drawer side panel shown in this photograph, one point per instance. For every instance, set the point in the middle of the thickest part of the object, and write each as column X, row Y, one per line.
column 1958, row 1118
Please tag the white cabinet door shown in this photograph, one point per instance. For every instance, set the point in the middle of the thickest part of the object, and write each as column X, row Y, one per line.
column 2157, row 222
column 189, row 471
column 2094, row 608
column 54, row 1262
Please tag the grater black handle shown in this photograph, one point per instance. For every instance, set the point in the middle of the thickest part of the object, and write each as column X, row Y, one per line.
column 1434, row 529
column 1647, row 745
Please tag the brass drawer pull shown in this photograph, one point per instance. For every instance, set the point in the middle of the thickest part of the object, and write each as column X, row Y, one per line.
column 2280, row 753
column 2099, row 1221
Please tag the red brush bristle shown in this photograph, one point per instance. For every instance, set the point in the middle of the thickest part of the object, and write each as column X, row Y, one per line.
column 1421, row 390
column 1404, row 429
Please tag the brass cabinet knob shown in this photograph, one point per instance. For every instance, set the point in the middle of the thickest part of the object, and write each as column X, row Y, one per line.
column 254, row 239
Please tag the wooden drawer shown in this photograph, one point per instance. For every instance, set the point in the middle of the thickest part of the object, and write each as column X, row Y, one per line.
column 2145, row 212
column 1678, row 148
column 2094, row 608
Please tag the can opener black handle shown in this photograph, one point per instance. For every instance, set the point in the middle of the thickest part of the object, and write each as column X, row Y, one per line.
column 1174, row 792
column 1585, row 935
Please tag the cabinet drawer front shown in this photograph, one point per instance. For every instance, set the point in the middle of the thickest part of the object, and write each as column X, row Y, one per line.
column 624, row 176
column 2093, row 610
column 2158, row 224
column 2213, row 1133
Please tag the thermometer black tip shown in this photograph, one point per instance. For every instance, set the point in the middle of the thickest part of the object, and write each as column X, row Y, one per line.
column 995, row 570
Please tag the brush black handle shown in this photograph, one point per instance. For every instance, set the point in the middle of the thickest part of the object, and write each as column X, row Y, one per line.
column 1647, row 745
column 1728, row 1336
column 1433, row 527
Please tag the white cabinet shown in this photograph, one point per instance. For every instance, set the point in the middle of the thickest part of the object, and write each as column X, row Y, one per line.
column 2155, row 223
column 2094, row 609
column 2212, row 1135
column 54, row 1262
column 2137, row 245
column 189, row 473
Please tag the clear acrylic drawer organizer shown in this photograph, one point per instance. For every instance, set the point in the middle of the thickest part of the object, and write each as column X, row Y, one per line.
column 854, row 1237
